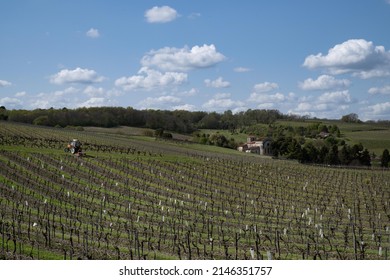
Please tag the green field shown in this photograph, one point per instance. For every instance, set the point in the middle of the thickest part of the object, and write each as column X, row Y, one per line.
column 135, row 197
column 374, row 137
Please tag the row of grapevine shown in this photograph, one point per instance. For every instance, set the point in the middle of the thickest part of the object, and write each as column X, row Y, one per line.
column 175, row 202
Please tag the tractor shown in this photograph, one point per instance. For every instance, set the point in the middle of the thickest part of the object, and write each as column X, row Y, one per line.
column 74, row 147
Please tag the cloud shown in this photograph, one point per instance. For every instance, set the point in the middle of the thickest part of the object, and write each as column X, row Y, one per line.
column 336, row 97
column 263, row 99
column 10, row 102
column 356, row 56
column 72, row 97
column 20, row 94
column 188, row 93
column 161, row 14
column 383, row 90
column 4, row 83
column 221, row 102
column 319, row 110
column 69, row 97
column 380, row 109
column 270, row 98
column 310, row 107
column 93, row 91
column 96, row 102
column 149, row 79
column 161, row 102
column 222, row 95
column 93, row 33
column 265, row 87
column 372, row 74
column 241, row 69
column 218, row 83
column 76, row 76
column 184, row 59
column 185, row 107
column 324, row 82
column 196, row 15
column 325, row 105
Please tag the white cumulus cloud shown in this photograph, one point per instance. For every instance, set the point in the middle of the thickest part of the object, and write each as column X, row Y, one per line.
column 188, row 93
column 20, row 94
column 357, row 56
column 10, row 102
column 324, row 82
column 270, row 98
column 336, row 97
column 161, row 14
column 328, row 104
column 149, row 79
column 93, row 33
column 93, row 91
column 265, row 87
column 222, row 102
column 76, row 76
column 68, row 97
column 162, row 102
column 96, row 102
column 4, row 83
column 379, row 110
column 72, row 97
column 383, row 90
column 218, row 83
column 184, row 107
column 184, row 59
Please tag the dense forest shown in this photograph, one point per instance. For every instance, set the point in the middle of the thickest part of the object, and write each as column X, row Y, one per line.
column 175, row 121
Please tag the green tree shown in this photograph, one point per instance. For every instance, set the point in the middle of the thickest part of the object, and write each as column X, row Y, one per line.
column 335, row 130
column 312, row 152
column 332, row 157
column 365, row 158
column 304, row 156
column 228, row 121
column 3, row 113
column 345, row 155
column 385, row 158
column 41, row 120
column 323, row 153
column 210, row 121
column 357, row 150
column 219, row 140
column 350, row 118
column 294, row 149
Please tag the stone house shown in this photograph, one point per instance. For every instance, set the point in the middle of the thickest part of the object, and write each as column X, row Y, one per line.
column 261, row 146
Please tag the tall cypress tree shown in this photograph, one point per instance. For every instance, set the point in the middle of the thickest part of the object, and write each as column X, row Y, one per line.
column 385, row 158
column 365, row 158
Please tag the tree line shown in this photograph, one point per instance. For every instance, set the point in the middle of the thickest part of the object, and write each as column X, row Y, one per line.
column 176, row 121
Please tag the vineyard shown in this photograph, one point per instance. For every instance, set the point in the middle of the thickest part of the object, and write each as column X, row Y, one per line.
column 137, row 198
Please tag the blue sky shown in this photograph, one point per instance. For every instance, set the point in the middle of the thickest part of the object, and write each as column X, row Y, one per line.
column 308, row 57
